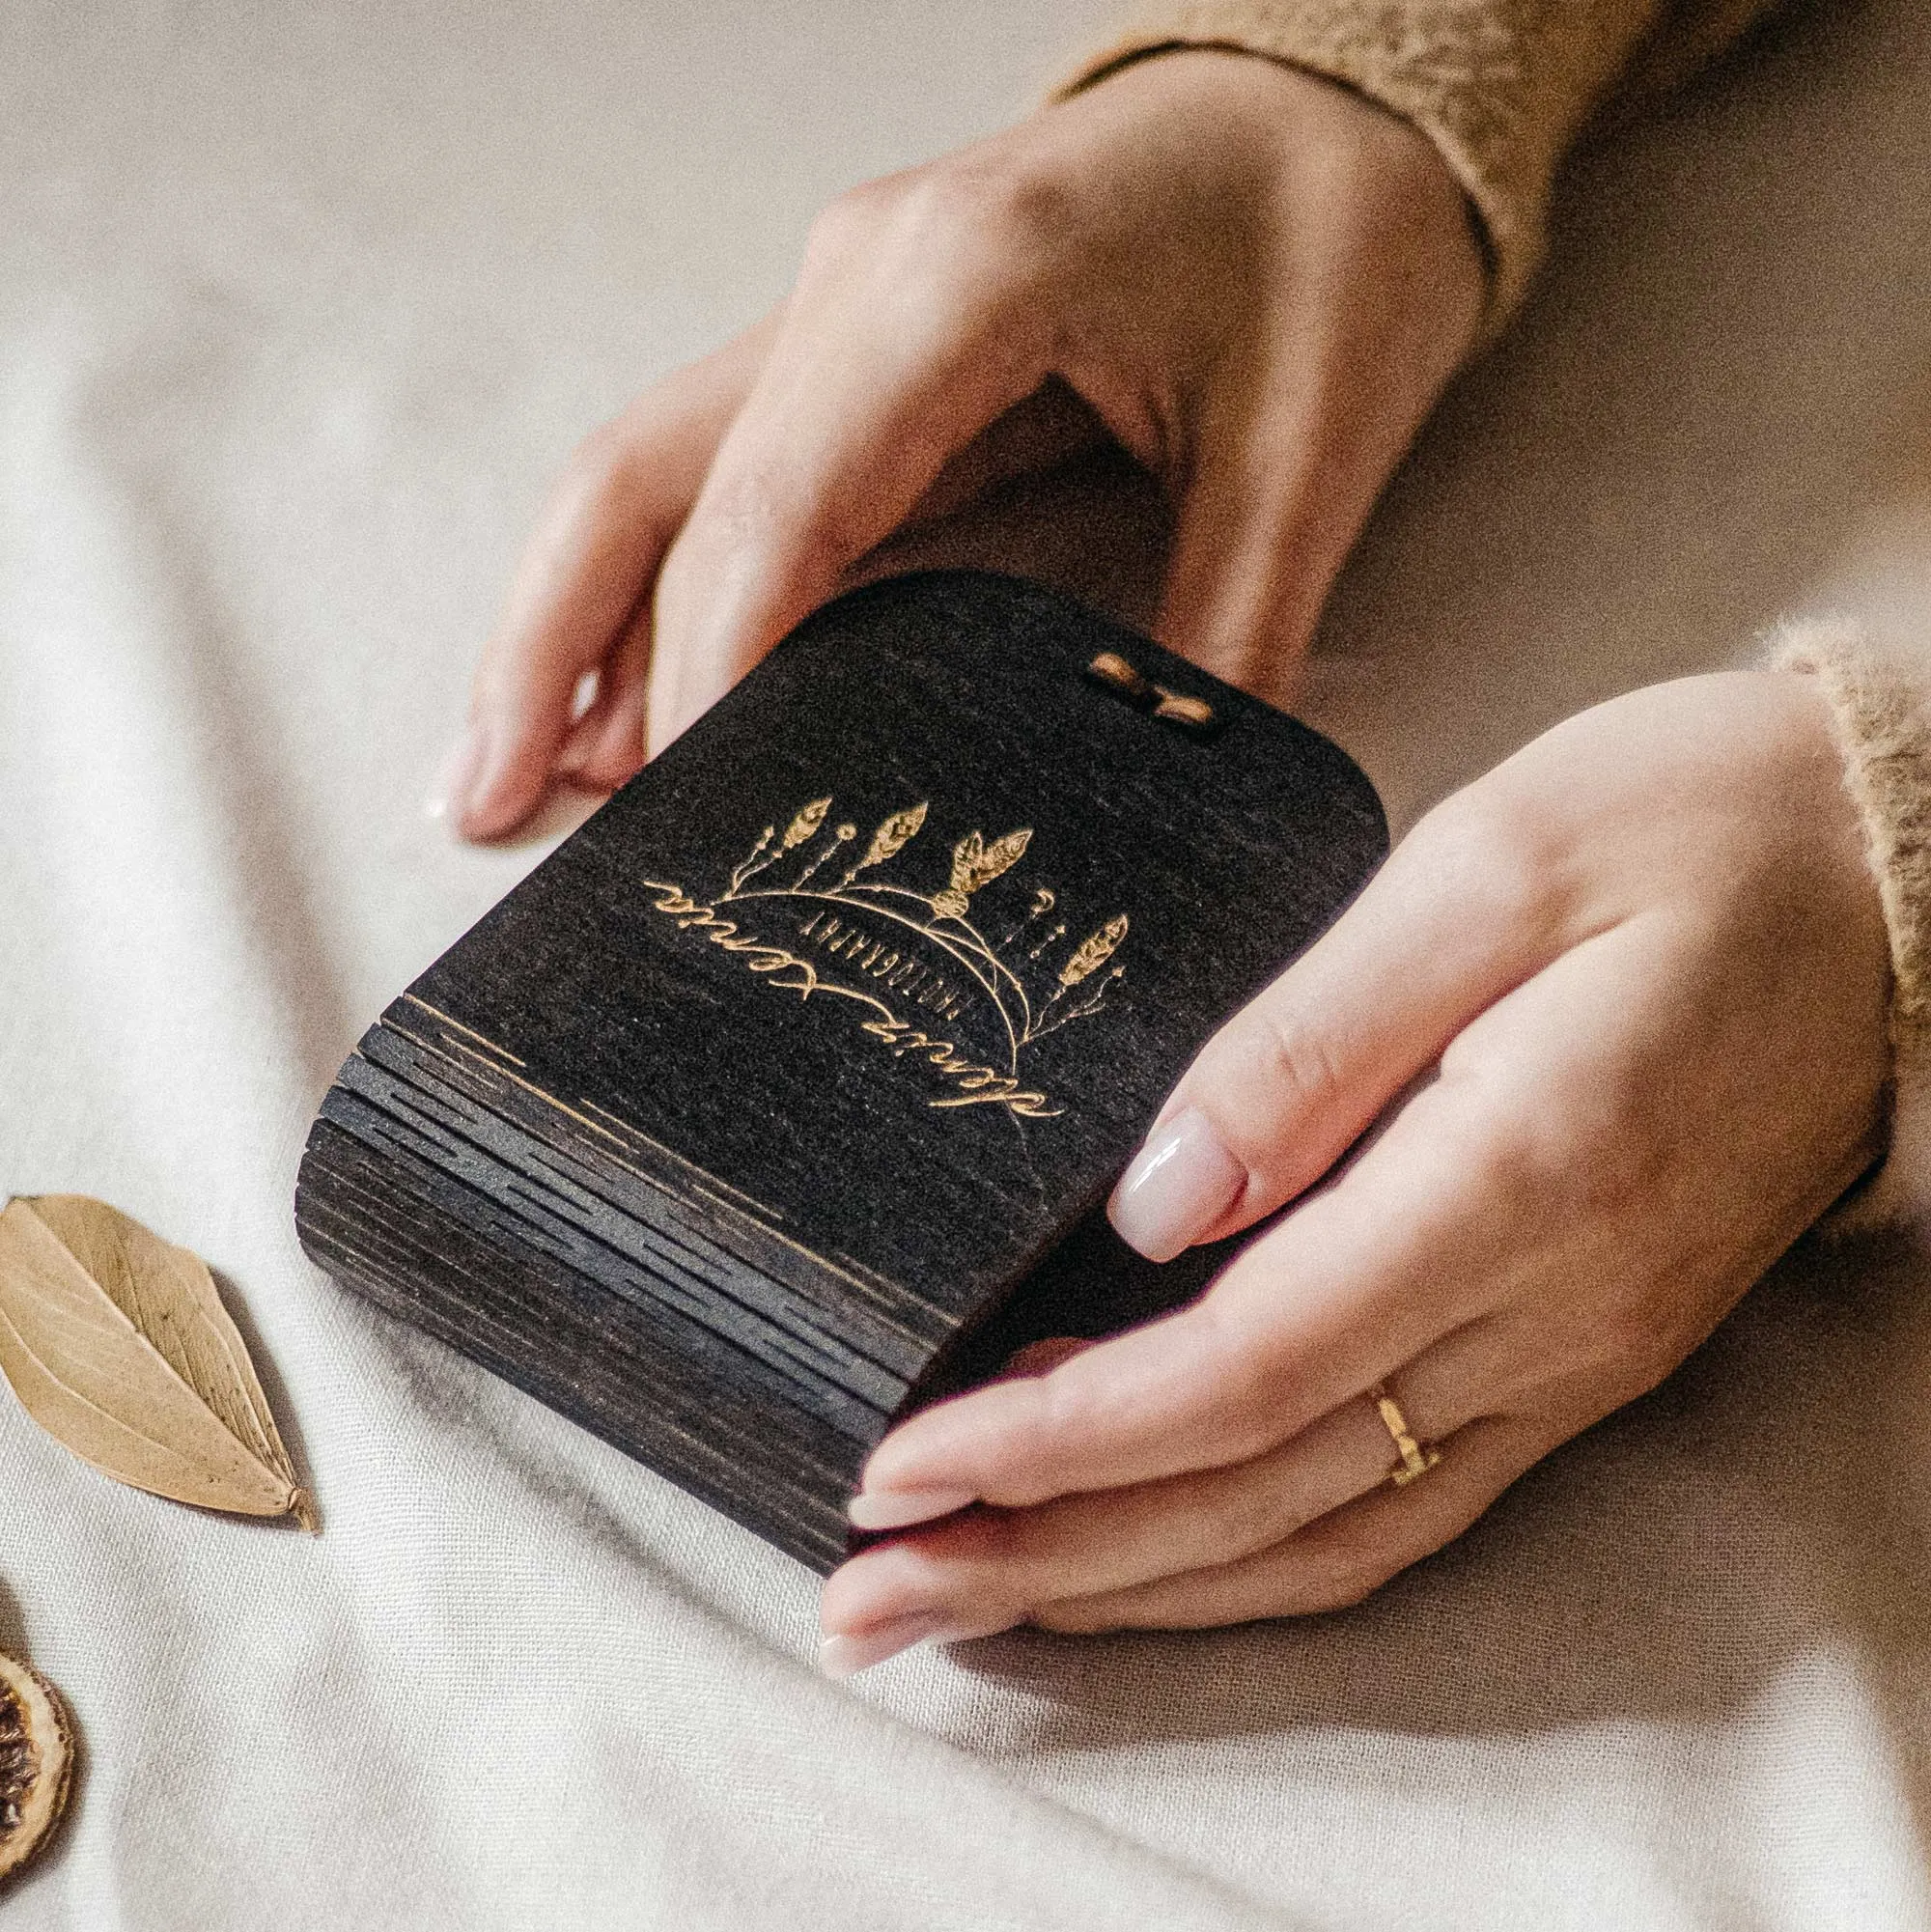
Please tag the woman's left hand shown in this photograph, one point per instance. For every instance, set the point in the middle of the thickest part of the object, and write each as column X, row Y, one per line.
column 1632, row 983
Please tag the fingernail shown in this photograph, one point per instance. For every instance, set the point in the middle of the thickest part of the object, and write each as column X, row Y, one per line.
column 1180, row 1184
column 449, row 793
column 895, row 1509
column 842, row 1657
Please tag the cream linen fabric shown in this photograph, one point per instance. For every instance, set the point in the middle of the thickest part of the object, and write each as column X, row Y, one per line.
column 298, row 308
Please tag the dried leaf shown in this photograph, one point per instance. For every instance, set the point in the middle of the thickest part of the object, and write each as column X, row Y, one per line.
column 118, row 1344
column 1094, row 951
column 36, row 1763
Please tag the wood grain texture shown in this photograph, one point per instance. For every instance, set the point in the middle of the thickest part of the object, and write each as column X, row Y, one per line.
column 784, row 1094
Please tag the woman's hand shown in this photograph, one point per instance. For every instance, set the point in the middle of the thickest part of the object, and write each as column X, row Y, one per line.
column 1255, row 282
column 1640, row 973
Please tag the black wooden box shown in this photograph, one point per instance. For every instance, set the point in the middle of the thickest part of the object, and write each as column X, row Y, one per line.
column 786, row 1094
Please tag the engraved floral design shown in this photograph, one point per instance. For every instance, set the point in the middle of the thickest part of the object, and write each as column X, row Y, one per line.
column 976, row 864
column 940, row 919
column 1094, row 951
column 803, row 826
column 810, row 817
column 888, row 840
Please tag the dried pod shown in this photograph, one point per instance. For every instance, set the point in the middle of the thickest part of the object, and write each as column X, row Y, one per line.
column 36, row 1763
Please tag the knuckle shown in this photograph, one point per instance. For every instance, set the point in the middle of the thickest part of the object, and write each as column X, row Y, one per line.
column 1241, row 1401
column 1599, row 1166
column 1483, row 850
column 1291, row 1058
column 1351, row 1578
column 1511, row 1172
column 1247, row 1518
column 1063, row 1410
column 1074, row 1619
column 977, row 205
column 740, row 505
column 756, row 510
column 981, row 192
column 849, row 220
column 606, row 464
column 1640, row 1335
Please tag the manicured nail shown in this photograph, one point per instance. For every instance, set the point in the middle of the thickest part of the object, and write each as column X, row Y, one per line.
column 1180, row 1184
column 846, row 1655
column 449, row 796
column 897, row 1508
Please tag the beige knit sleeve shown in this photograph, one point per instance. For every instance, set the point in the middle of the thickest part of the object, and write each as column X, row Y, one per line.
column 1502, row 87
column 1882, row 715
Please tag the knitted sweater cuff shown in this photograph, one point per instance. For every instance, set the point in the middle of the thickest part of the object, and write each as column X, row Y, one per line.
column 1502, row 87
column 1884, row 730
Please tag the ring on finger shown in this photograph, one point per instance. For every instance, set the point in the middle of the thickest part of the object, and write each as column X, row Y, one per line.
column 1416, row 1458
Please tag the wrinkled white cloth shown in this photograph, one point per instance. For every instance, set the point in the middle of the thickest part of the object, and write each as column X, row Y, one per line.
column 300, row 307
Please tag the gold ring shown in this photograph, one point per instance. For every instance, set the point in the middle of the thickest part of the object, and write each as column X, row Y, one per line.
column 1416, row 1458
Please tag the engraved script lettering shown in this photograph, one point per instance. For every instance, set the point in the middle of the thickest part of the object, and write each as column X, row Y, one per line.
column 923, row 946
column 976, row 1084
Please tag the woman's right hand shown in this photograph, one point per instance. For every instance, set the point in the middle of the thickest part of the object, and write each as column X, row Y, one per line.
column 1255, row 282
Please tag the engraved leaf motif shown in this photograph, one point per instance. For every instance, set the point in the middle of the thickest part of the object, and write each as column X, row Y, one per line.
column 118, row 1345
column 1094, row 951
column 1000, row 857
column 892, row 836
column 806, row 823
column 975, row 863
column 966, row 856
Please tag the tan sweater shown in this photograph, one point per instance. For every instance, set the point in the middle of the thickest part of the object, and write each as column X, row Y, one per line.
column 1504, row 88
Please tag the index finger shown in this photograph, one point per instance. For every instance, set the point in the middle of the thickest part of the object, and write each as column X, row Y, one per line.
column 899, row 346
column 592, row 555
column 1351, row 1285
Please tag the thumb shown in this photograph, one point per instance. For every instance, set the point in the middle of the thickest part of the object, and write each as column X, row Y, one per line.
column 1288, row 1084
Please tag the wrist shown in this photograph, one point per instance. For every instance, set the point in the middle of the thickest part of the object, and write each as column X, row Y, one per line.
column 1298, row 126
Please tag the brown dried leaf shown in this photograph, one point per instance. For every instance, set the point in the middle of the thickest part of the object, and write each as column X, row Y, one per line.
column 36, row 1763
column 118, row 1344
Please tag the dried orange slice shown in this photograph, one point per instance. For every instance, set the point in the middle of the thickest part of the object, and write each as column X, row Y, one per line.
column 36, row 1762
